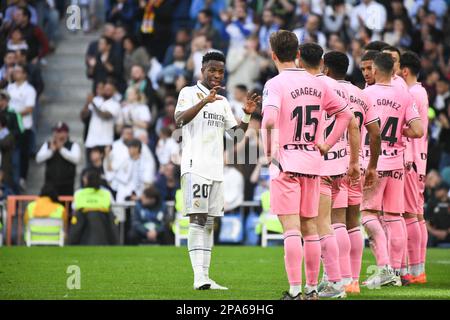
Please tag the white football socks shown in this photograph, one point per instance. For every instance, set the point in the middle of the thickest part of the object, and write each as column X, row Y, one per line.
column 208, row 242
column 196, row 250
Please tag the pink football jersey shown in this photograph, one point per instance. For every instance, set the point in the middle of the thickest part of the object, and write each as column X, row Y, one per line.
column 335, row 162
column 300, row 98
column 399, row 82
column 420, row 146
column 365, row 114
column 396, row 109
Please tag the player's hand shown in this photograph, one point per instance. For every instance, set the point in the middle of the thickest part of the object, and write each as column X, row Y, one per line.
column 251, row 103
column 370, row 178
column 213, row 95
column 353, row 173
column 323, row 148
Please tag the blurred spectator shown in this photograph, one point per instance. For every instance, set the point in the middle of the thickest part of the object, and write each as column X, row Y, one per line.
column 92, row 50
column 167, row 149
column 6, row 151
column 16, row 41
column 199, row 47
column 61, row 157
column 238, row 27
column 23, row 100
column 134, row 112
column 238, row 99
column 106, row 64
column 134, row 54
column 7, row 69
column 268, row 26
column 34, row 36
column 140, row 81
column 122, row 12
column 444, row 138
column 334, row 16
column 244, row 64
column 92, row 222
column 168, row 181
column 5, row 189
column 205, row 26
column 216, row 7
column 134, row 174
column 233, row 183
column 442, row 94
column 148, row 218
column 176, row 68
column 311, row 32
column 16, row 4
column 370, row 14
column 167, row 119
column 103, row 113
column 182, row 38
column 438, row 217
column 261, row 177
column 33, row 71
column 283, row 8
column 95, row 163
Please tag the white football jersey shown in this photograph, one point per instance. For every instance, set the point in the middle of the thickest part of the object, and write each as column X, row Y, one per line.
column 202, row 142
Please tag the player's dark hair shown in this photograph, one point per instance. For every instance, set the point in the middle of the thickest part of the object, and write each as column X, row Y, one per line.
column 370, row 55
column 49, row 190
column 392, row 49
column 384, row 63
column 410, row 60
column 376, row 45
column 241, row 87
column 213, row 56
column 285, row 45
column 337, row 62
column 94, row 180
column 311, row 54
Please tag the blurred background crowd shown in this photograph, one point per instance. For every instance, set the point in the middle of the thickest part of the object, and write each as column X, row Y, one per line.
column 148, row 50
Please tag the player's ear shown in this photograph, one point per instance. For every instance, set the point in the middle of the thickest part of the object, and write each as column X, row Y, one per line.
column 274, row 56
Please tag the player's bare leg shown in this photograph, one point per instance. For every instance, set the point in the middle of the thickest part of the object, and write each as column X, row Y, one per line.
column 378, row 244
column 196, row 248
column 353, row 220
column 293, row 255
column 338, row 222
column 331, row 285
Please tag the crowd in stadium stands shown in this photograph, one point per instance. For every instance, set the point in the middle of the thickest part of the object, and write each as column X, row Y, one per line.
column 150, row 49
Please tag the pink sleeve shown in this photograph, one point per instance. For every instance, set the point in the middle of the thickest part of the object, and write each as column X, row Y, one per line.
column 371, row 112
column 332, row 103
column 270, row 116
column 411, row 112
column 272, row 96
column 343, row 119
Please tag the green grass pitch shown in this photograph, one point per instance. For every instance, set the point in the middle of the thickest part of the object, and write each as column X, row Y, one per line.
column 165, row 273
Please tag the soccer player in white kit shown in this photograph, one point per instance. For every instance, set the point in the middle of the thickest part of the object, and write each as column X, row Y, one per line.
column 204, row 116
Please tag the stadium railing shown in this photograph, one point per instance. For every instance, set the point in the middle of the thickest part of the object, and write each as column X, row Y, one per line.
column 16, row 206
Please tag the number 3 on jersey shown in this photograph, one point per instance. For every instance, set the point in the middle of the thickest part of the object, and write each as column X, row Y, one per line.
column 305, row 118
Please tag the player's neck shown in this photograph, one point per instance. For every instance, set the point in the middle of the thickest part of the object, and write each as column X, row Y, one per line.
column 313, row 71
column 286, row 65
column 383, row 80
column 410, row 80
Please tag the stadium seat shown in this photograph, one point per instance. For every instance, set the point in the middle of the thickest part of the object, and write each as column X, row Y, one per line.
column 269, row 226
column 45, row 231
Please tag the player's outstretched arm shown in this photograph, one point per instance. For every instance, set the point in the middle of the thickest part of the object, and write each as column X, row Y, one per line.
column 373, row 130
column 414, row 130
column 184, row 117
column 270, row 118
column 343, row 119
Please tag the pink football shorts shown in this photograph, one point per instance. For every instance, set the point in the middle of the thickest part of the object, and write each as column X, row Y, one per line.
column 346, row 194
column 411, row 191
column 387, row 194
column 295, row 193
